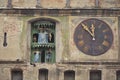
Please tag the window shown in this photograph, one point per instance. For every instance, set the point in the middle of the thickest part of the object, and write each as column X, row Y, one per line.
column 67, row 3
column 9, row 5
column 43, row 41
column 69, row 75
column 17, row 75
column 5, row 40
column 118, row 75
column 97, row 3
column 95, row 75
column 43, row 74
column 38, row 4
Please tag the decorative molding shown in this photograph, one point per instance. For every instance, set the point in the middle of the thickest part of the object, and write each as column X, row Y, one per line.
column 61, row 12
column 93, row 63
column 12, row 62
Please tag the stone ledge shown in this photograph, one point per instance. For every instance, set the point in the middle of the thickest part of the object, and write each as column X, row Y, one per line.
column 93, row 63
column 61, row 12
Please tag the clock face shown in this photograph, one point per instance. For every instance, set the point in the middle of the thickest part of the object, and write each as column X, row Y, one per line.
column 93, row 37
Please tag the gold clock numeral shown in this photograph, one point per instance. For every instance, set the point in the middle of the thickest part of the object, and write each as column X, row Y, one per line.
column 86, row 48
column 100, row 48
column 105, row 30
column 80, row 36
column 105, row 43
column 105, row 37
column 81, row 43
column 100, row 25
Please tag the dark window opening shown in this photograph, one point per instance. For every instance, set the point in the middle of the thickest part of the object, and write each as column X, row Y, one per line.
column 97, row 3
column 5, row 40
column 9, row 4
column 95, row 75
column 69, row 75
column 43, row 56
column 17, row 75
column 43, row 74
column 118, row 75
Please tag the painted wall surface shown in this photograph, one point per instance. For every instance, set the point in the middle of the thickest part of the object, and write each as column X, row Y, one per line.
column 24, row 3
column 18, row 38
column 82, row 3
column 109, row 3
column 55, row 4
column 13, row 27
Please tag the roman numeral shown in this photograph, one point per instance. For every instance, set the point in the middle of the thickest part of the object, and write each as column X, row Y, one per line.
column 106, row 43
column 81, row 43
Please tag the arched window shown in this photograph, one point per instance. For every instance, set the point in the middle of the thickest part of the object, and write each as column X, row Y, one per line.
column 95, row 75
column 97, row 3
column 69, row 75
column 9, row 4
column 118, row 75
column 43, row 74
column 16, row 74
column 43, row 41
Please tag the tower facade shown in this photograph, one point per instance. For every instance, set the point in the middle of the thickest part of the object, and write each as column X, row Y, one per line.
column 59, row 40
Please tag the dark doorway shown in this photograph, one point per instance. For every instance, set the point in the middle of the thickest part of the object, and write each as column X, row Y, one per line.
column 43, row 74
column 17, row 74
column 69, row 75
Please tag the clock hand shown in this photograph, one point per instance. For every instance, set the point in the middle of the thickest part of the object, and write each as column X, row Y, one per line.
column 93, row 31
column 86, row 28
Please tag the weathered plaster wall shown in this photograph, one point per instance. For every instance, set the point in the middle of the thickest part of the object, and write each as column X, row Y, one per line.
column 109, row 3
column 60, row 4
column 18, row 38
column 13, row 27
column 82, row 3
column 16, row 23
column 55, row 3
column 24, row 3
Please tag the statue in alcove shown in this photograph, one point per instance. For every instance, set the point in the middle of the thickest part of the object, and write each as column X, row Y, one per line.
column 42, row 36
column 50, row 37
column 49, row 55
column 35, row 37
column 37, row 56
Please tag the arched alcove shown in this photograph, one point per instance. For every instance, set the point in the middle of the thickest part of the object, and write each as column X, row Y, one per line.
column 43, row 74
column 118, row 75
column 49, row 24
column 16, row 74
column 95, row 75
column 69, row 75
